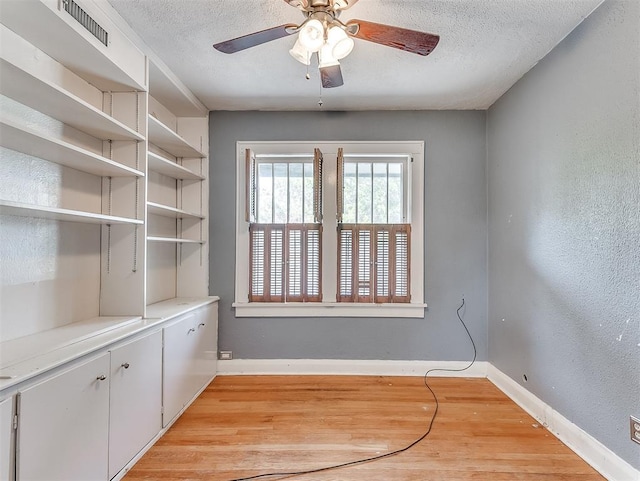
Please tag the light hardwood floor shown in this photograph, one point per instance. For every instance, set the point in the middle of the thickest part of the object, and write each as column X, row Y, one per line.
column 249, row 425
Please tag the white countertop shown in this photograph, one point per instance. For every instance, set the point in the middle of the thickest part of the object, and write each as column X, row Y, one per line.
column 26, row 357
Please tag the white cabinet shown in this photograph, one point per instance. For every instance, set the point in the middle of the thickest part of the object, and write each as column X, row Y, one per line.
column 189, row 358
column 207, row 351
column 63, row 428
column 6, row 440
column 180, row 344
column 136, row 398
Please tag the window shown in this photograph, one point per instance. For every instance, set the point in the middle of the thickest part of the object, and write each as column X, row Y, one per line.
column 284, row 211
column 303, row 250
column 374, row 240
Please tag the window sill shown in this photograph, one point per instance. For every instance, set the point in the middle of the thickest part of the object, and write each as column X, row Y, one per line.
column 328, row 309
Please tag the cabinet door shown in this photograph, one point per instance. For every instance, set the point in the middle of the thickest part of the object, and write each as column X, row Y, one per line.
column 63, row 429
column 6, row 435
column 207, row 354
column 136, row 398
column 179, row 379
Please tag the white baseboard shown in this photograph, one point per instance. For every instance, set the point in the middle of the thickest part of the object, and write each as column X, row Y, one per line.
column 596, row 454
column 337, row 367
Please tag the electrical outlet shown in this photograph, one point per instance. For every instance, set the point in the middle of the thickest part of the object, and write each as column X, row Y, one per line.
column 634, row 424
column 226, row 355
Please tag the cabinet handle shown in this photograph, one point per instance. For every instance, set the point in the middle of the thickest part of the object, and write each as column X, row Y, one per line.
column 191, row 330
column 101, row 377
column 200, row 325
column 125, row 365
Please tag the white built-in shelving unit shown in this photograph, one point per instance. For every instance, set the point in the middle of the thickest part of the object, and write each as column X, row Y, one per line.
column 177, row 199
column 103, row 241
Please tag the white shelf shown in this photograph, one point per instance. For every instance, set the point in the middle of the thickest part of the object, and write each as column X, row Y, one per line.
column 55, row 213
column 171, row 169
column 177, row 306
column 56, row 102
column 165, row 138
column 173, row 240
column 23, row 139
column 172, row 212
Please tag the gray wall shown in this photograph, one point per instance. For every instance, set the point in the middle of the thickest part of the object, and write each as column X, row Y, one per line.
column 455, row 238
column 564, row 227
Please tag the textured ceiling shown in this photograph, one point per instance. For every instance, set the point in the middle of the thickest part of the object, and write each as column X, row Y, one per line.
column 485, row 47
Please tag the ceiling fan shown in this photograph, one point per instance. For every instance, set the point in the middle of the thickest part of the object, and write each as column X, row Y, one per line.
column 324, row 34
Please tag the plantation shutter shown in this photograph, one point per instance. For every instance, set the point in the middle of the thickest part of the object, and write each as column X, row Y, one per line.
column 303, row 263
column 373, row 263
column 250, row 186
column 266, row 276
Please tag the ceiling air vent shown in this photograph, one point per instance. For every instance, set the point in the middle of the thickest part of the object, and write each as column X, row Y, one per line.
column 86, row 21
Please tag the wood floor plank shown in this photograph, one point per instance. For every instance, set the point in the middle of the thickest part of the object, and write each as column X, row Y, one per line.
column 248, row 425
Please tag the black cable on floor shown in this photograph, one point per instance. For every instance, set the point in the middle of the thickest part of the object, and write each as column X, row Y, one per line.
column 391, row 453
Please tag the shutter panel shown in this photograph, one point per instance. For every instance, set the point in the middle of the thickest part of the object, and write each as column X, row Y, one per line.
column 295, row 266
column 401, row 263
column 266, row 267
column 345, row 264
column 382, row 272
column 363, row 274
column 250, row 186
column 314, row 264
column 258, row 267
column 276, row 269
column 340, row 186
column 317, row 185
column 303, row 264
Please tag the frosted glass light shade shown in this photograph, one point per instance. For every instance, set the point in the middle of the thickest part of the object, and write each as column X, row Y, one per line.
column 311, row 36
column 326, row 56
column 341, row 43
column 300, row 53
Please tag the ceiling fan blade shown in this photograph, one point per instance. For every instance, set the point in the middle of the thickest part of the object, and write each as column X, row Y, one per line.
column 253, row 39
column 331, row 76
column 412, row 41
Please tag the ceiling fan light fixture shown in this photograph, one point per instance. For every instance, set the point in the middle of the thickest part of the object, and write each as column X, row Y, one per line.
column 300, row 53
column 311, row 35
column 326, row 58
column 341, row 43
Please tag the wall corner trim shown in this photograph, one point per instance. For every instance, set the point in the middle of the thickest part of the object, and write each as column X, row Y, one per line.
column 596, row 454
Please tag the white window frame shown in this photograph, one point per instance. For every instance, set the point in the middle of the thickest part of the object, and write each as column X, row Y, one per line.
column 414, row 150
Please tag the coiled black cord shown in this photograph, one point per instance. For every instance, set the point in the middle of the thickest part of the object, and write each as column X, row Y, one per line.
column 391, row 453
